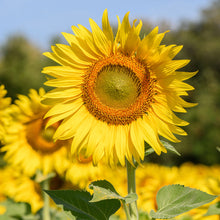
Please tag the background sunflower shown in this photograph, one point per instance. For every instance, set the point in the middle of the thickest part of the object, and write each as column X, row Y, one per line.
column 28, row 145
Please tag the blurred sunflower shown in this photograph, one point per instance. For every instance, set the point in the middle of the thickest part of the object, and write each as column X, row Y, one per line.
column 20, row 188
column 114, row 93
column 28, row 145
column 4, row 101
column 82, row 172
column 204, row 178
column 150, row 179
column 4, row 104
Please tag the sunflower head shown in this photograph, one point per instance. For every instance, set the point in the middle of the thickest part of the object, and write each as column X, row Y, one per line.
column 113, row 93
column 29, row 144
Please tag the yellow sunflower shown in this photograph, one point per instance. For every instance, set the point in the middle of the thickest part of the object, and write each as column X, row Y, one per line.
column 4, row 104
column 28, row 145
column 20, row 188
column 115, row 93
column 4, row 101
column 82, row 172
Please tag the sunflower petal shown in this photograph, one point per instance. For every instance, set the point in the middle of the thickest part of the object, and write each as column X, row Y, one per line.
column 107, row 27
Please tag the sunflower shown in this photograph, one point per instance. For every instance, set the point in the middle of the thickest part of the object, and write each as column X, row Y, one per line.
column 20, row 188
column 82, row 172
column 4, row 101
column 4, row 104
column 113, row 94
column 28, row 145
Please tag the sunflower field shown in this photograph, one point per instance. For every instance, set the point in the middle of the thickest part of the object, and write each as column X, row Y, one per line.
column 110, row 127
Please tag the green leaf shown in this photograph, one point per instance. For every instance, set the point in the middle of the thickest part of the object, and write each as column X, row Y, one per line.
column 143, row 215
column 173, row 200
column 149, row 151
column 77, row 202
column 14, row 210
column 104, row 190
column 167, row 145
column 213, row 209
column 170, row 148
column 131, row 197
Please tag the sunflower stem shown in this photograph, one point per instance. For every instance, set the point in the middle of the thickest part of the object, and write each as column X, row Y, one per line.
column 46, row 208
column 132, row 189
column 127, row 212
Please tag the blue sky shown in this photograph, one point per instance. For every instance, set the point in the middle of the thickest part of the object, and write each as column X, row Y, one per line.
column 40, row 20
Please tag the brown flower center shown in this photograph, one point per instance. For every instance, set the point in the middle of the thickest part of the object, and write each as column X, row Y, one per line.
column 41, row 139
column 118, row 89
column 84, row 160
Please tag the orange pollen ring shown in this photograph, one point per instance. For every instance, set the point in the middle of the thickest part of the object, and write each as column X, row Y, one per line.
column 35, row 139
column 117, row 116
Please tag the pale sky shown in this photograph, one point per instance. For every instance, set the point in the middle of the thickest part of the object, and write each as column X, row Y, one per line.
column 40, row 20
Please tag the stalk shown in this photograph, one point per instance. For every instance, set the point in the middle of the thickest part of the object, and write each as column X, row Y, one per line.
column 132, row 189
column 46, row 208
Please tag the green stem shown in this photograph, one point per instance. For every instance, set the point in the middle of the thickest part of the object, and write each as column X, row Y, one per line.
column 132, row 189
column 46, row 208
column 126, row 209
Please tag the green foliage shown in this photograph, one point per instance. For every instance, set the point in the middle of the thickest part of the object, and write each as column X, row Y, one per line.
column 167, row 145
column 16, row 210
column 104, row 190
column 20, row 66
column 213, row 209
column 202, row 46
column 173, row 200
column 77, row 206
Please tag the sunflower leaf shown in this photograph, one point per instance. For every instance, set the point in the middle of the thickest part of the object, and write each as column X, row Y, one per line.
column 103, row 190
column 170, row 148
column 131, row 197
column 149, row 151
column 213, row 209
column 14, row 210
column 173, row 200
column 77, row 203
column 167, row 145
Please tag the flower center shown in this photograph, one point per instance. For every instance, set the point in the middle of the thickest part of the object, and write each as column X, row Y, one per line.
column 41, row 139
column 118, row 89
column 83, row 160
column 117, row 86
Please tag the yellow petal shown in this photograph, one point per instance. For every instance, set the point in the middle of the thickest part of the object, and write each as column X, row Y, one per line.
column 100, row 39
column 82, row 131
column 93, row 138
column 164, row 113
column 124, row 29
column 162, row 128
column 66, row 130
column 59, row 93
column 64, row 107
column 151, row 136
column 72, row 54
column 87, row 36
column 107, row 29
column 146, row 42
column 137, row 137
column 62, row 71
column 121, row 143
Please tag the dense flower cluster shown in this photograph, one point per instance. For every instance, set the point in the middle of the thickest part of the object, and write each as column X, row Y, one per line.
column 150, row 178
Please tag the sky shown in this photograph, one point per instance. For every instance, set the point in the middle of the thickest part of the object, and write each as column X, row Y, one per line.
column 41, row 20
